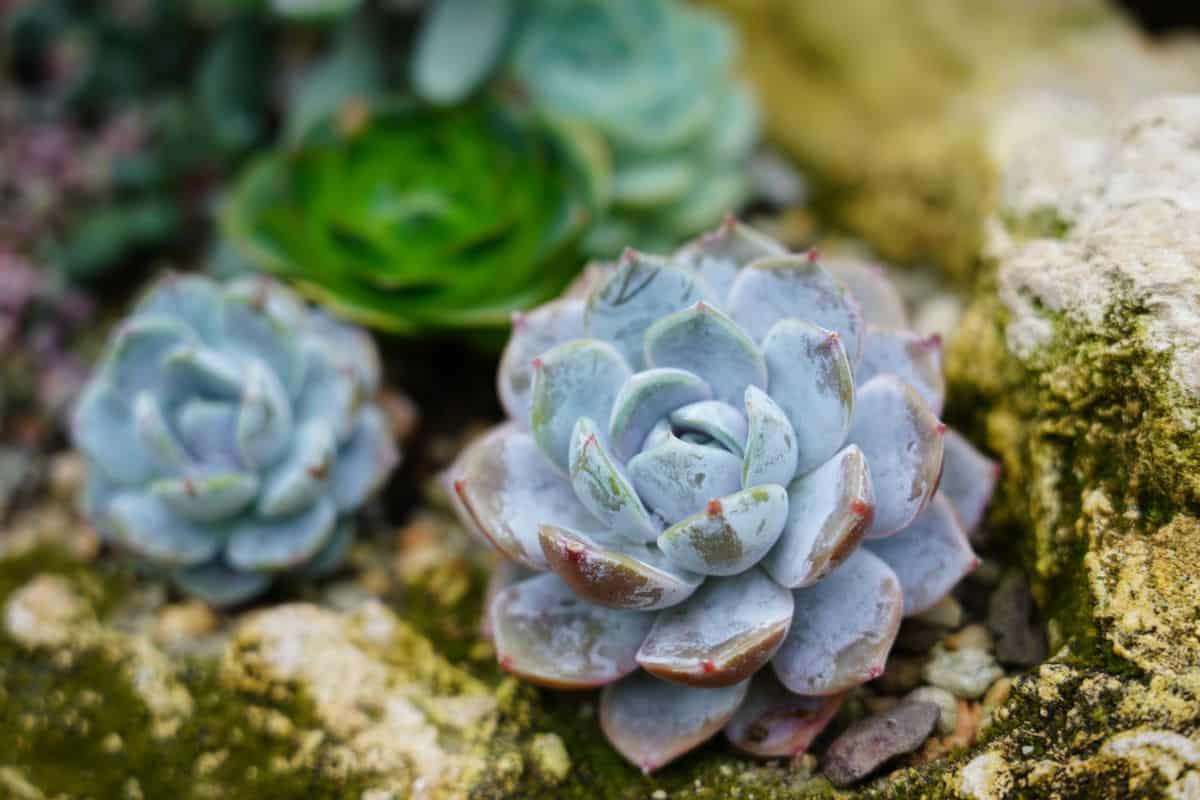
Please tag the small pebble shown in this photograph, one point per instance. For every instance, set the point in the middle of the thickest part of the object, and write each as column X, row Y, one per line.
column 947, row 706
column 965, row 673
column 659, row 794
column 947, row 613
column 549, row 757
column 867, row 745
column 1019, row 640
column 974, row 635
column 182, row 621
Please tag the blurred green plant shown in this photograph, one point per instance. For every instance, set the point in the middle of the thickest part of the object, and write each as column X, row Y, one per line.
column 410, row 218
column 117, row 116
column 653, row 77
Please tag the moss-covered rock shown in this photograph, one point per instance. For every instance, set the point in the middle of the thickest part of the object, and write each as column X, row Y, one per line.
column 907, row 113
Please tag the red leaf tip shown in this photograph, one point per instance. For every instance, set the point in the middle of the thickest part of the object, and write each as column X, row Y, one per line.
column 714, row 508
column 708, row 666
column 940, row 428
column 812, row 255
column 627, row 255
column 859, row 508
column 538, row 363
column 518, row 319
column 933, row 341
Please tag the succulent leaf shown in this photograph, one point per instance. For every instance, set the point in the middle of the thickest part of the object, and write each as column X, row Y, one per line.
column 103, row 428
column 794, row 287
column 272, row 545
column 642, row 290
column 534, row 333
column 647, row 397
column 301, row 477
column 881, row 303
column 603, row 488
column 829, row 510
column 209, row 498
column 722, row 635
column 713, row 419
column 902, row 441
column 774, row 723
column 544, row 633
column 843, row 628
column 219, row 585
column 929, row 556
column 719, row 256
column 916, row 359
column 772, row 450
column 510, row 489
column 642, row 579
column 677, row 477
column 652, row 722
column 811, row 381
column 457, row 46
column 968, row 479
column 731, row 534
column 364, row 462
column 144, row 524
column 574, row 380
column 706, row 343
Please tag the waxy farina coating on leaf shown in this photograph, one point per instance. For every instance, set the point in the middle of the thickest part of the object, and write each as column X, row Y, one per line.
column 230, row 435
column 695, row 453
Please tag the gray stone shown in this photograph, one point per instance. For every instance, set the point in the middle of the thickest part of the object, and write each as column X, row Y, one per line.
column 1020, row 641
column 965, row 673
column 947, row 706
column 866, row 746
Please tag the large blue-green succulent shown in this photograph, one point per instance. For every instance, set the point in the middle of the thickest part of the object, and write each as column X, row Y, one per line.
column 655, row 77
column 721, row 461
column 230, row 435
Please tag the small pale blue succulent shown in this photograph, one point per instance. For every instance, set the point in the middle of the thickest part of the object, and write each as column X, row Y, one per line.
column 230, row 435
column 654, row 77
column 726, row 465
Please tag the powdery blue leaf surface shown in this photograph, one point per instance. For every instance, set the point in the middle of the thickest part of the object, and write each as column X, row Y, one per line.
column 457, row 46
column 533, row 334
column 271, row 545
column 544, row 633
column 146, row 525
column 218, row 585
column 510, row 489
column 302, row 476
column 772, row 452
column 795, row 287
column 810, row 379
column 843, row 628
column 207, row 429
column 576, row 379
column 635, row 577
column 133, row 363
column 730, row 534
column 331, row 395
column 677, row 478
column 264, row 421
column 774, row 723
column 253, row 333
column 968, row 479
column 330, row 557
column 721, row 635
column 652, row 722
column 829, row 511
column 711, row 418
column 718, row 256
column 155, row 437
column 709, row 344
column 193, row 371
column 642, row 290
column 915, row 359
column 364, row 462
column 902, row 440
column 644, row 399
column 929, row 557
column 604, row 490
column 207, row 498
column 877, row 296
column 103, row 428
column 193, row 300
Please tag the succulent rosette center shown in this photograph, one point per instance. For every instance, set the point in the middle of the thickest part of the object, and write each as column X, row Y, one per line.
column 726, row 464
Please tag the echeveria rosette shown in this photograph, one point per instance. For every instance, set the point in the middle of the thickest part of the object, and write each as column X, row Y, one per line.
column 412, row 219
column 231, row 434
column 654, row 77
column 726, row 465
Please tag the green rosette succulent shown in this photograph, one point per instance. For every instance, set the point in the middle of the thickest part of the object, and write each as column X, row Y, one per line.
column 725, row 464
column 230, row 435
column 412, row 219
column 653, row 77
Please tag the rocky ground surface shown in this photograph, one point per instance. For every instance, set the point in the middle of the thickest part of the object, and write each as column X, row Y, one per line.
column 1076, row 363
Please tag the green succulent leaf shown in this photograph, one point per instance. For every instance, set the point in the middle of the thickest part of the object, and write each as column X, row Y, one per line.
column 413, row 219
